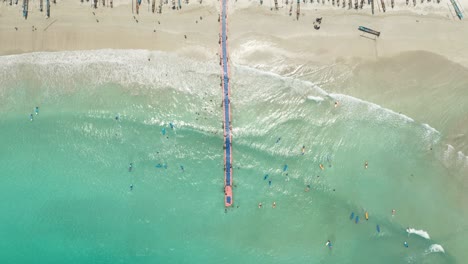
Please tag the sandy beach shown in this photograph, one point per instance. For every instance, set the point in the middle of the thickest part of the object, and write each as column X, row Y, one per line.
column 270, row 40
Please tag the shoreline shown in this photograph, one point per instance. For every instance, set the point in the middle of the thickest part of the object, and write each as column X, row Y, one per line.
column 275, row 42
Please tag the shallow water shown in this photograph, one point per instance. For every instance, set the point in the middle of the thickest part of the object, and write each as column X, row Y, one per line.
column 66, row 183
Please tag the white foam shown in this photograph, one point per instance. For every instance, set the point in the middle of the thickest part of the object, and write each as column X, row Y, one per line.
column 371, row 106
column 420, row 233
column 317, row 99
column 125, row 67
column 435, row 248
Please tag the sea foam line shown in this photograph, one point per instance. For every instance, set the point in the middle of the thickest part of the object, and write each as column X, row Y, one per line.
column 420, row 233
column 435, row 248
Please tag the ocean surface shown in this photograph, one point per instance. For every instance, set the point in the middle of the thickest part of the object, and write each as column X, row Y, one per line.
column 69, row 196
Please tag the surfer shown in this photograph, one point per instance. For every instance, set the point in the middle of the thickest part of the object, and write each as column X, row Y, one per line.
column 269, row 183
column 36, row 110
column 307, row 188
column 366, row 164
column 260, row 205
column 405, row 244
column 336, row 103
column 31, row 117
column 265, row 177
column 273, row 205
column 131, row 187
column 303, row 150
column 328, row 244
column 278, row 140
column 393, row 212
column 130, row 167
column 321, row 166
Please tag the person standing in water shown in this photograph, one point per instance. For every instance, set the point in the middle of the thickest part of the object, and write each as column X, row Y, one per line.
column 303, row 150
column 36, row 110
column 31, row 117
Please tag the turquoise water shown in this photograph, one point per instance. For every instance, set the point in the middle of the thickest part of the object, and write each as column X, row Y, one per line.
column 66, row 184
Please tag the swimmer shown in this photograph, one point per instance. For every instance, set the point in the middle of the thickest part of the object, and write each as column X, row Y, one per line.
column 259, row 205
column 366, row 164
column 269, row 183
column 273, row 205
column 130, row 167
column 285, row 168
column 171, row 125
column 405, row 244
column 131, row 187
column 36, row 110
column 163, row 131
column 278, row 140
column 393, row 212
column 303, row 150
column 321, row 166
column 336, row 103
column 182, row 168
column 265, row 177
column 307, row 188
column 31, row 117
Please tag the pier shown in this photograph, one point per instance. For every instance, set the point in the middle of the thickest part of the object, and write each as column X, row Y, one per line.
column 228, row 200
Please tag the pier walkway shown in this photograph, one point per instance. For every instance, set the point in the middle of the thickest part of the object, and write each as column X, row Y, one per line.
column 228, row 200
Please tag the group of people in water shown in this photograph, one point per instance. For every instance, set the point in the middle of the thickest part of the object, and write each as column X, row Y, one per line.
column 36, row 111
